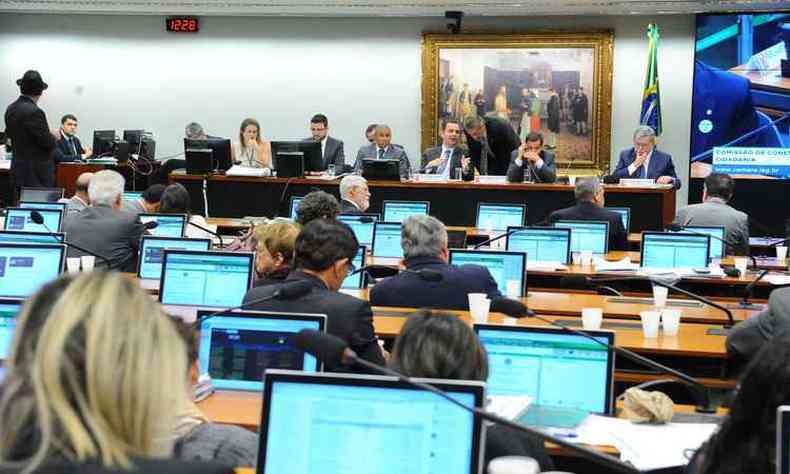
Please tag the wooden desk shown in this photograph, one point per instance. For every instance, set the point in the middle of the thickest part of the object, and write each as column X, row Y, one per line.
column 66, row 175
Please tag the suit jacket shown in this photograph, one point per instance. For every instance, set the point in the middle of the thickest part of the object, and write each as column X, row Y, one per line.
column 74, row 204
column 432, row 153
column 747, row 337
column 717, row 212
column 63, row 151
column 333, row 153
column 393, row 152
column 348, row 207
column 133, row 207
column 502, row 140
column 660, row 165
column 587, row 211
column 407, row 289
column 106, row 232
column 348, row 318
column 545, row 174
column 33, row 162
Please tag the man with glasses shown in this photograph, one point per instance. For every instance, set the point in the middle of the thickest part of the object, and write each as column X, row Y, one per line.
column 323, row 254
column 644, row 161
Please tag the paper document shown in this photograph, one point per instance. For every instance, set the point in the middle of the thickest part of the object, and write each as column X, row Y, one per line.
column 546, row 266
column 624, row 265
column 509, row 407
column 236, row 170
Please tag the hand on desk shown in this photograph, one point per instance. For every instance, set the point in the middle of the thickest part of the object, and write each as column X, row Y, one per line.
column 88, row 153
column 664, row 180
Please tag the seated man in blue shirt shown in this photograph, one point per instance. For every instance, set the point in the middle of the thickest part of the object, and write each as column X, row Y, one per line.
column 424, row 243
column 644, row 161
column 68, row 147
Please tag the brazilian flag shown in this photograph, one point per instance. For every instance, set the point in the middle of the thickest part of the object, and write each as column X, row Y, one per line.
column 651, row 98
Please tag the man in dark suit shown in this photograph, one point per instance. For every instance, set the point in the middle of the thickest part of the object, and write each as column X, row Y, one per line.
column 491, row 140
column 103, row 228
column 590, row 207
column 383, row 149
column 747, row 337
column 354, row 195
column 424, row 242
column 323, row 254
column 644, row 161
column 331, row 149
column 33, row 163
column 530, row 162
column 448, row 156
column 69, row 147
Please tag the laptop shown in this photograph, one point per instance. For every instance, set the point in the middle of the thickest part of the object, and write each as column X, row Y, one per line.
column 149, row 261
column 669, row 250
column 397, row 211
column 41, row 194
column 170, row 225
column 507, row 268
column 386, row 240
column 237, row 348
column 716, row 233
column 9, row 310
column 362, row 225
column 625, row 215
column 500, row 216
column 21, row 236
column 130, row 196
column 568, row 376
column 783, row 439
column 43, row 205
column 194, row 279
column 17, row 218
column 347, row 422
column 357, row 280
column 24, row 268
column 541, row 244
column 587, row 235
column 295, row 200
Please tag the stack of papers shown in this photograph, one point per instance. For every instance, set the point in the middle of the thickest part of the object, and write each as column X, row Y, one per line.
column 624, row 265
column 546, row 266
column 236, row 170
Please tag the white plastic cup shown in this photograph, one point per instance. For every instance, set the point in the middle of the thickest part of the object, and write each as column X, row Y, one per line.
column 479, row 306
column 513, row 465
column 73, row 264
column 572, row 180
column 576, row 258
column 670, row 321
column 650, row 320
column 587, row 257
column 513, row 289
column 660, row 296
column 741, row 263
column 591, row 318
column 781, row 252
column 88, row 262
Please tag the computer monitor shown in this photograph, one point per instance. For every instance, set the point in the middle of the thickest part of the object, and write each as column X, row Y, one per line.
column 43, row 205
column 219, row 149
column 286, row 153
column 357, row 280
column 376, row 422
column 500, row 216
column 169, row 225
column 9, row 309
column 507, row 268
column 22, row 236
column 149, row 262
column 674, row 250
column 587, row 235
column 380, row 170
column 134, row 138
column 17, row 218
column 205, row 278
column 24, row 268
column 782, row 439
column 625, row 216
column 237, row 348
column 295, row 200
column 541, row 244
column 130, row 196
column 554, row 367
column 397, row 211
column 386, row 240
column 41, row 194
column 103, row 142
column 716, row 233
column 362, row 225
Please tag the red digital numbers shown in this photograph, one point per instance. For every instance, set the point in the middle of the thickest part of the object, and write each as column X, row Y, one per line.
column 182, row 25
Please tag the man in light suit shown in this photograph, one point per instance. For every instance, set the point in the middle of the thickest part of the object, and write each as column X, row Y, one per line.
column 331, row 148
column 383, row 149
column 531, row 162
column 714, row 211
column 354, row 195
column 747, row 337
column 644, row 161
column 448, row 156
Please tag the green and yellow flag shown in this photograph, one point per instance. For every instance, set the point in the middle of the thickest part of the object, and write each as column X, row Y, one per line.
column 651, row 98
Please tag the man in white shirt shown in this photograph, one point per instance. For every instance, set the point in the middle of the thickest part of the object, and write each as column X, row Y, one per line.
column 447, row 157
column 331, row 148
column 354, row 195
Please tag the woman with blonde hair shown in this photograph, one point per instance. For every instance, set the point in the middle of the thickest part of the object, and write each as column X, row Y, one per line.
column 251, row 150
column 274, row 251
column 89, row 382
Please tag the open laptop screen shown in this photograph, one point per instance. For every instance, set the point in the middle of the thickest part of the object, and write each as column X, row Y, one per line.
column 587, row 235
column 507, row 268
column 152, row 249
column 213, row 279
column 357, row 280
column 18, row 218
column 674, row 250
column 500, row 216
column 24, row 268
column 295, row 200
column 541, row 244
column 51, row 206
column 9, row 309
column 41, row 194
column 386, row 240
column 716, row 239
column 362, row 225
column 397, row 211
column 129, row 196
column 169, row 225
column 31, row 237
column 625, row 215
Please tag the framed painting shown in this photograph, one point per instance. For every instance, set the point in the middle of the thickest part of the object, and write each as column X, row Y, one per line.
column 555, row 83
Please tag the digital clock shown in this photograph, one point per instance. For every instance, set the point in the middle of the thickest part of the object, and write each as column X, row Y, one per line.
column 182, row 24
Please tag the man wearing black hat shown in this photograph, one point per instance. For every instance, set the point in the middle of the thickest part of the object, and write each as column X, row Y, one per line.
column 33, row 162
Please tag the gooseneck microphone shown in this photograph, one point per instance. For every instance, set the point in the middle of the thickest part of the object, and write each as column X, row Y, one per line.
column 150, row 225
column 498, row 237
column 331, row 349
column 581, row 282
column 37, row 218
column 208, row 231
column 744, row 303
column 425, row 273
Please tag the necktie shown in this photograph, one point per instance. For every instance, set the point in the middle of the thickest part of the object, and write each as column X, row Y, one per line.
column 73, row 145
column 444, row 168
column 485, row 151
column 641, row 173
column 381, row 153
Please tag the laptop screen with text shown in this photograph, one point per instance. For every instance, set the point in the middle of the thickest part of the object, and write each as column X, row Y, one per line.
column 587, row 235
column 500, row 216
column 541, row 244
column 716, row 234
column 397, row 211
column 50, row 206
column 169, row 225
column 9, row 309
column 129, row 196
column 31, row 237
column 362, row 225
column 24, row 268
column 357, row 280
column 505, row 267
column 213, row 279
column 41, row 194
column 152, row 249
column 386, row 240
column 18, row 218
column 674, row 250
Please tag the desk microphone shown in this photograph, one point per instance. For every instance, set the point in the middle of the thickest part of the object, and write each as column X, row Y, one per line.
column 748, row 292
column 208, row 231
column 37, row 218
column 517, row 309
column 498, row 237
column 581, row 282
column 150, row 225
column 426, row 274
column 333, row 351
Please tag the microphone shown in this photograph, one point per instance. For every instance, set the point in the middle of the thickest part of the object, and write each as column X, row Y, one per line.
column 681, row 228
column 517, row 309
column 498, row 237
column 581, row 282
column 208, row 231
column 150, row 225
column 748, row 292
column 426, row 274
column 37, row 218
column 333, row 349
column 779, row 242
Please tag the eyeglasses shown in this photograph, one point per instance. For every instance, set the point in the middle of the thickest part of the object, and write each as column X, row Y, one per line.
column 351, row 267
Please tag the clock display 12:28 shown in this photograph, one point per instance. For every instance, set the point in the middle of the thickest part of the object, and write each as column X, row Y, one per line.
column 182, row 24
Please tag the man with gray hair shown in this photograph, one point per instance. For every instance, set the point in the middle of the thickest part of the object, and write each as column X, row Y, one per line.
column 589, row 207
column 354, row 195
column 424, row 243
column 194, row 131
column 644, row 161
column 383, row 149
column 103, row 228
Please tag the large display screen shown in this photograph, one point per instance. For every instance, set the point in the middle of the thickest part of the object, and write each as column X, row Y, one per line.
column 741, row 96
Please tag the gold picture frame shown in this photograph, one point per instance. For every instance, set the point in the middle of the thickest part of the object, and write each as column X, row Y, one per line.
column 516, row 55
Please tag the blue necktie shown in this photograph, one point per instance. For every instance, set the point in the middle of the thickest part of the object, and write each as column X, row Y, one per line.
column 381, row 153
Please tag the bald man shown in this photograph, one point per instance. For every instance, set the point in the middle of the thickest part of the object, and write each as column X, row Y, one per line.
column 80, row 200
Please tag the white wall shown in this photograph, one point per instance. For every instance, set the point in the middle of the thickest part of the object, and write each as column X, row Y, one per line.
column 126, row 72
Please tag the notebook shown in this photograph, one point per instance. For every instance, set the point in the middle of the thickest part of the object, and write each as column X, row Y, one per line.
column 362, row 225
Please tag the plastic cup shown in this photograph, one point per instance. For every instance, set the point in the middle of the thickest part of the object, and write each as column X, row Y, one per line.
column 88, row 262
column 660, row 296
column 741, row 263
column 330, row 170
column 591, row 318
column 670, row 321
column 513, row 465
column 457, row 174
column 513, row 289
column 650, row 320
column 572, row 180
column 479, row 306
column 781, row 252
column 586, row 257
column 576, row 258
column 73, row 264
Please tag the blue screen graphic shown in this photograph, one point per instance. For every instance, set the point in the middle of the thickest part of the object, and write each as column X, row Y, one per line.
column 397, row 211
column 499, row 216
column 503, row 266
column 592, row 236
column 19, row 219
column 674, row 251
column 204, row 279
column 716, row 240
column 8, row 314
column 355, row 281
column 362, row 227
column 169, row 225
column 25, row 268
column 152, row 251
column 541, row 245
column 31, row 237
column 625, row 215
column 386, row 240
